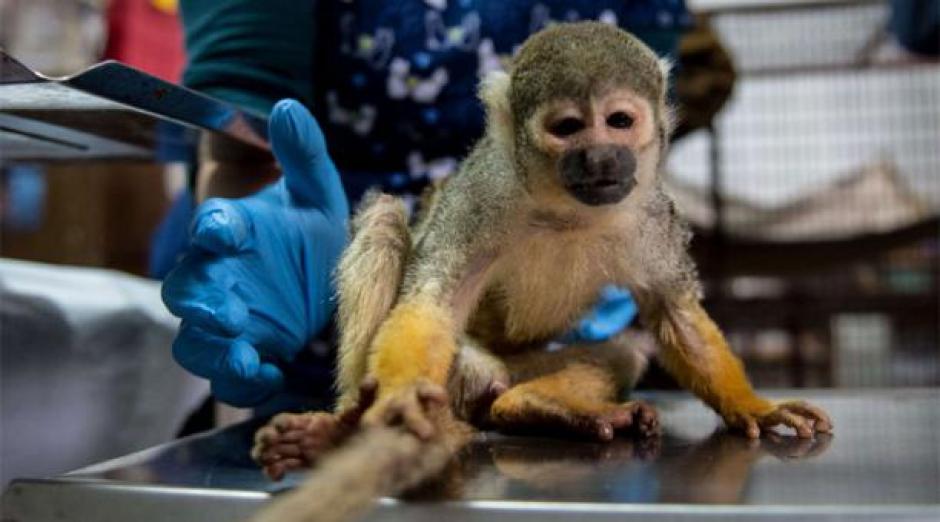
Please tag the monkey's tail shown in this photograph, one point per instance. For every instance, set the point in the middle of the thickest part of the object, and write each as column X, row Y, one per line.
column 380, row 461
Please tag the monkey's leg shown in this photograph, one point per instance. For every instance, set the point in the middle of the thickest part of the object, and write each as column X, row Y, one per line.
column 455, row 250
column 369, row 277
column 414, row 350
column 579, row 399
column 578, row 394
column 695, row 352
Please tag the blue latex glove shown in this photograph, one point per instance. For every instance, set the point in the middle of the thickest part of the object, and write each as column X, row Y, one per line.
column 255, row 286
column 614, row 311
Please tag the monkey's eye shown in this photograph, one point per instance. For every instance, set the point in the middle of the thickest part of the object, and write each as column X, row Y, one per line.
column 620, row 120
column 566, row 127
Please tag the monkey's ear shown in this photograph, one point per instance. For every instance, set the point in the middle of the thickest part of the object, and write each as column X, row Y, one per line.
column 494, row 92
column 666, row 110
column 665, row 67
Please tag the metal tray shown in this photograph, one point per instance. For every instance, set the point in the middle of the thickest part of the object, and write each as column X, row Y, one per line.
column 110, row 111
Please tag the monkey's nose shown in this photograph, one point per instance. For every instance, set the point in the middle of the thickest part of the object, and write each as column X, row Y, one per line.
column 599, row 175
column 608, row 164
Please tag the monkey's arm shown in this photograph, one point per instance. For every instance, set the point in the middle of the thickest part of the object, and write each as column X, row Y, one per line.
column 415, row 347
column 695, row 352
column 413, row 350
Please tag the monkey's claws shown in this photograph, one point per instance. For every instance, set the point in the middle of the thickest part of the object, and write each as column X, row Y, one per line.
column 293, row 441
column 636, row 416
column 803, row 417
column 408, row 406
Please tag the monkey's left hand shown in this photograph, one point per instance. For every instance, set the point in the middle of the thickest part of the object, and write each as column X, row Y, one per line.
column 803, row 417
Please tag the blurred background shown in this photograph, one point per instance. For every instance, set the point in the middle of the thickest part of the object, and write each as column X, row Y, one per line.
column 815, row 191
column 807, row 160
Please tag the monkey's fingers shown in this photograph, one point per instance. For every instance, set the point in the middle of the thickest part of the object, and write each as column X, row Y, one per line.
column 367, row 392
column 266, row 435
column 302, row 437
column 256, row 452
column 284, row 422
column 276, row 471
column 292, row 428
column 646, row 419
column 279, row 452
column 782, row 416
column 265, row 439
column 746, row 423
column 635, row 416
column 292, row 437
column 604, row 426
column 416, row 421
column 821, row 421
column 407, row 407
column 802, row 417
column 593, row 426
column 432, row 394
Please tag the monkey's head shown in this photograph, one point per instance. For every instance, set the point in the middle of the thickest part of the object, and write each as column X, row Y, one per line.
column 583, row 110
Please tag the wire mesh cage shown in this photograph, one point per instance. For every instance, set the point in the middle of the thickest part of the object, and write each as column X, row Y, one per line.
column 816, row 193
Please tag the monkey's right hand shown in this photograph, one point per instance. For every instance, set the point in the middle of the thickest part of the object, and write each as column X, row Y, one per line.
column 408, row 406
column 255, row 286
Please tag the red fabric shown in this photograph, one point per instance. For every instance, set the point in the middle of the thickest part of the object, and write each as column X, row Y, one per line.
column 146, row 38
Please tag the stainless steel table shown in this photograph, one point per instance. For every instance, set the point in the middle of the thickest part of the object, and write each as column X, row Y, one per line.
column 883, row 463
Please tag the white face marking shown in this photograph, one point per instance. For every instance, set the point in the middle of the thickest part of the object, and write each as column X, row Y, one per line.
column 619, row 117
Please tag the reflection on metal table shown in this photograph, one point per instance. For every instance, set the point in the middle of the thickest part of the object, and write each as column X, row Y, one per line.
column 882, row 463
column 111, row 111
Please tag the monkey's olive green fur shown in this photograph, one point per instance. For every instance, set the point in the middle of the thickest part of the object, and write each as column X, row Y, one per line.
column 568, row 61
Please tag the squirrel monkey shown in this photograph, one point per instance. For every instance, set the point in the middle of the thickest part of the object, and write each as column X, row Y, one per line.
column 560, row 197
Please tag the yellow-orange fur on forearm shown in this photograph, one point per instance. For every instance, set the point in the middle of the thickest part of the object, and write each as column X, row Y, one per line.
column 417, row 342
column 695, row 352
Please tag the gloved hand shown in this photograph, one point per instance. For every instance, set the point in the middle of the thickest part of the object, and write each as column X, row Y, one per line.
column 614, row 311
column 255, row 286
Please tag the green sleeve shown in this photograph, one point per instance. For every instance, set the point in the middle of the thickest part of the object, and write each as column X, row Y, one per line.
column 250, row 52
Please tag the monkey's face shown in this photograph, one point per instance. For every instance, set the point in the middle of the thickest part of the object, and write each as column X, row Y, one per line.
column 595, row 148
column 583, row 115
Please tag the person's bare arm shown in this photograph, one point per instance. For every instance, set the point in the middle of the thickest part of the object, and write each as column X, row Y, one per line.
column 232, row 171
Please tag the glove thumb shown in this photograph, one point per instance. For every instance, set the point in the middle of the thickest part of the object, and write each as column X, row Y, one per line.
column 220, row 227
column 309, row 173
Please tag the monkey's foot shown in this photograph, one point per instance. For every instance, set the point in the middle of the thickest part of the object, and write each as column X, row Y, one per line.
column 408, row 406
column 528, row 412
column 636, row 417
column 296, row 440
column 803, row 417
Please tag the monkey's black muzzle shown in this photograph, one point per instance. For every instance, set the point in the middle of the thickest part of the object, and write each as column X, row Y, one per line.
column 600, row 175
